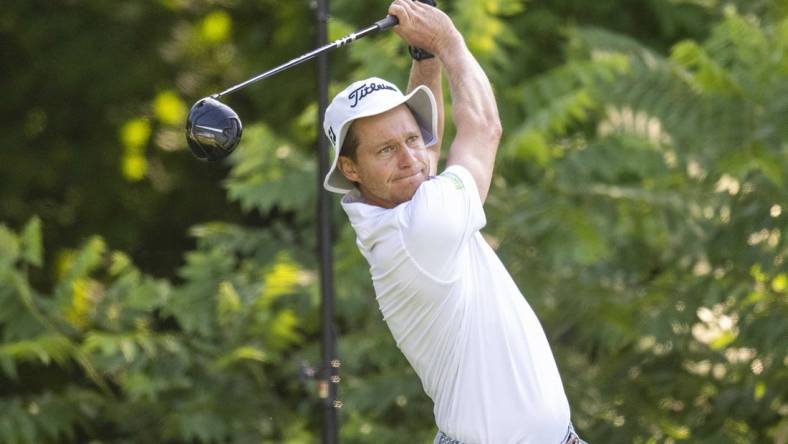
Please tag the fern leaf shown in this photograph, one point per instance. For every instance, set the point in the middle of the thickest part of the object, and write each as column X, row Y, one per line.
column 30, row 242
column 270, row 173
column 79, row 266
column 9, row 249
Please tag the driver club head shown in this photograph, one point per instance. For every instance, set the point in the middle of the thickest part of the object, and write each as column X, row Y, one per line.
column 213, row 130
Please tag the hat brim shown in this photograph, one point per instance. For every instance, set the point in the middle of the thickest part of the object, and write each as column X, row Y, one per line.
column 422, row 104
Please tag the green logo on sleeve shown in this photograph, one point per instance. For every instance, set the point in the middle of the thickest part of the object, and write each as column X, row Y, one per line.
column 455, row 179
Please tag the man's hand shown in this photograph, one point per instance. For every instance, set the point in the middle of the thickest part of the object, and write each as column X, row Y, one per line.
column 420, row 54
column 423, row 26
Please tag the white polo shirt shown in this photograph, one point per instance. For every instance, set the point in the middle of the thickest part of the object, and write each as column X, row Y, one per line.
column 458, row 316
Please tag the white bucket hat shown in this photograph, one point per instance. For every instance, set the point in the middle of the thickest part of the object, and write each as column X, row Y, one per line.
column 367, row 98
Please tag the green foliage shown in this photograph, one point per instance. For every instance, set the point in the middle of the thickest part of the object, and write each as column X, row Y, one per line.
column 640, row 202
column 145, row 359
column 269, row 173
column 668, row 182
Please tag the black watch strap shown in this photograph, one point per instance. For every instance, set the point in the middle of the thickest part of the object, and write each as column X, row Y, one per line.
column 419, row 54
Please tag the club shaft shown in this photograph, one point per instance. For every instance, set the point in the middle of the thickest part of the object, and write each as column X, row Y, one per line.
column 380, row 25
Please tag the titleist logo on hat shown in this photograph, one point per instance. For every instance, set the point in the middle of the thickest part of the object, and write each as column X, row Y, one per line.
column 364, row 90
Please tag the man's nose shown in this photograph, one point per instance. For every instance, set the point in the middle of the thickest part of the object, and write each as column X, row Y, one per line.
column 407, row 156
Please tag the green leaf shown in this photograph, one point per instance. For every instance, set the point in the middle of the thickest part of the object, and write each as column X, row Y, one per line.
column 9, row 249
column 268, row 172
column 44, row 349
column 78, row 266
column 7, row 365
column 229, row 303
column 283, row 329
column 31, row 244
column 723, row 340
column 709, row 76
column 239, row 354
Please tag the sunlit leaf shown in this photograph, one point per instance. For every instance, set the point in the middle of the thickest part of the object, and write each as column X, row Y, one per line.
column 216, row 27
column 135, row 167
column 169, row 108
column 135, row 132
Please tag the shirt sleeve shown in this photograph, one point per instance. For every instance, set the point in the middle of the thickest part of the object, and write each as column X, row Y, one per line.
column 440, row 219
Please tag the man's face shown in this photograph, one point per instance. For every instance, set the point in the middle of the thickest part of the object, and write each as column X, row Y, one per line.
column 391, row 159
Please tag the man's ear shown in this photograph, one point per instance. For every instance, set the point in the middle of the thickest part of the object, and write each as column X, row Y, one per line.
column 348, row 168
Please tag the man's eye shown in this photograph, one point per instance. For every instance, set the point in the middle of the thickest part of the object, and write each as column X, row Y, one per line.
column 386, row 149
column 412, row 139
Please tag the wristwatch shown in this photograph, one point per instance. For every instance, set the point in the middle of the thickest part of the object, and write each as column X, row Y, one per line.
column 419, row 54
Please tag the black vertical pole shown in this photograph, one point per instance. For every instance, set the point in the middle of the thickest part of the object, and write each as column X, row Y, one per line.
column 329, row 364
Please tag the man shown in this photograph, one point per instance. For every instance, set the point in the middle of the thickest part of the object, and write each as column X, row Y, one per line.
column 450, row 304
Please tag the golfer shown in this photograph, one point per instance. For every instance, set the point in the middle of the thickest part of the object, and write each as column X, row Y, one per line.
column 452, row 307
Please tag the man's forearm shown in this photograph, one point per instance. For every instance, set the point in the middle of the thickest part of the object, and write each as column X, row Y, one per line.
column 473, row 101
column 474, row 110
column 428, row 72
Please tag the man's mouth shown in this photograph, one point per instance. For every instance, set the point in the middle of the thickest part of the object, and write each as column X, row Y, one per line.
column 408, row 176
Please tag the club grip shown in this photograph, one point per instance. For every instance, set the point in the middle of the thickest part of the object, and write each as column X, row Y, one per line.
column 389, row 22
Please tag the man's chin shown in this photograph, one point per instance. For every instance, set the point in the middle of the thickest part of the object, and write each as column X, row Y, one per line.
column 408, row 187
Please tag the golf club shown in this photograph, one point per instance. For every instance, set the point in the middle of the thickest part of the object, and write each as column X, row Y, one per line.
column 214, row 130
